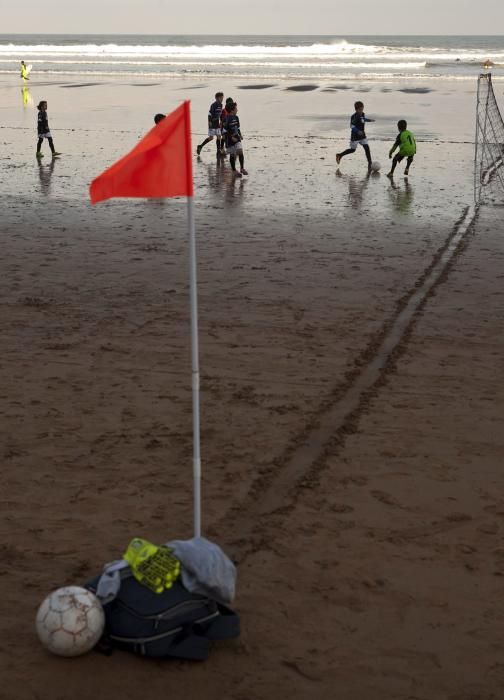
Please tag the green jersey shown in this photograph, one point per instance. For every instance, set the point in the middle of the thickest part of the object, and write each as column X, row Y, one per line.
column 406, row 143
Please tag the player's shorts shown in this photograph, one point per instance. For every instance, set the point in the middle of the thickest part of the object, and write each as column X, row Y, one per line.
column 215, row 132
column 401, row 156
column 47, row 135
column 234, row 149
column 354, row 144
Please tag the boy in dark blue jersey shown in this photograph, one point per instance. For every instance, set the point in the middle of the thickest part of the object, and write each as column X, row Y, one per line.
column 214, row 123
column 224, row 115
column 358, row 134
column 233, row 138
column 43, row 130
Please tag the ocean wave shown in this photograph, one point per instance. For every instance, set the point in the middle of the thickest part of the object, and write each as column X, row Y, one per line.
column 268, row 58
column 260, row 64
column 321, row 51
column 337, row 48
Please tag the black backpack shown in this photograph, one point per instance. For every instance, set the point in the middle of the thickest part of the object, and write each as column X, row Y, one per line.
column 174, row 623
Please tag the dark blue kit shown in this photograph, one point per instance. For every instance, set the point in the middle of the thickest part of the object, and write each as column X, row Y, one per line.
column 175, row 623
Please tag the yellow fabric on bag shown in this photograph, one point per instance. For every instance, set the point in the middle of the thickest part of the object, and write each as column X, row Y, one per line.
column 153, row 566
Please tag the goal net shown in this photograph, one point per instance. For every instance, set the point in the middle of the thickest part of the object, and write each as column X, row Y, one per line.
column 489, row 153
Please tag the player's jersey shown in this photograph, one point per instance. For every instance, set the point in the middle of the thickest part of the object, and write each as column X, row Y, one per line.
column 224, row 115
column 214, row 115
column 406, row 142
column 232, row 130
column 42, row 123
column 358, row 126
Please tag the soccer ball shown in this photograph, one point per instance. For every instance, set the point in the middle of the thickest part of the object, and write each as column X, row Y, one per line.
column 375, row 166
column 70, row 621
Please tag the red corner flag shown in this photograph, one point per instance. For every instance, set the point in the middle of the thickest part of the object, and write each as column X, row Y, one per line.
column 159, row 166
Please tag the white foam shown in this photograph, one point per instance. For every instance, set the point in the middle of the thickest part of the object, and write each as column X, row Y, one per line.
column 339, row 59
column 341, row 49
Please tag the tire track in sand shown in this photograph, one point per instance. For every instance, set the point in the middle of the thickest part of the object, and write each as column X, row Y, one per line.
column 276, row 491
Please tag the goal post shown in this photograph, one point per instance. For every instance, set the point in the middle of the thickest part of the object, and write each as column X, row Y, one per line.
column 489, row 144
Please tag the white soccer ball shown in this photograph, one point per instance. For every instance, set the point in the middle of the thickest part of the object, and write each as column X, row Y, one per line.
column 375, row 166
column 70, row 621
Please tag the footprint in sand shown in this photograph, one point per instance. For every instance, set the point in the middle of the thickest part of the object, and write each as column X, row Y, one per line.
column 356, row 480
column 341, row 508
column 386, row 498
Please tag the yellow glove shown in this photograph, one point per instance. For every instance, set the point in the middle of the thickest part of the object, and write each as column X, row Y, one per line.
column 152, row 566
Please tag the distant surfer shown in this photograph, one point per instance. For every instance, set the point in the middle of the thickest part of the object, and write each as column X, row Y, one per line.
column 24, row 71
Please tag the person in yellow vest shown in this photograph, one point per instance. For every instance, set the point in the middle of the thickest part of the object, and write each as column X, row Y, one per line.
column 406, row 144
column 24, row 71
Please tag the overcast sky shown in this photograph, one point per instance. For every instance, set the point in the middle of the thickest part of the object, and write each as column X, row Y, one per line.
column 333, row 17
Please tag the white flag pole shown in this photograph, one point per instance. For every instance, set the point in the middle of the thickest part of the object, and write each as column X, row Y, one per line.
column 195, row 368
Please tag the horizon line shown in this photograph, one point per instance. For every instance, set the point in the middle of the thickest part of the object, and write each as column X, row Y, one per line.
column 232, row 35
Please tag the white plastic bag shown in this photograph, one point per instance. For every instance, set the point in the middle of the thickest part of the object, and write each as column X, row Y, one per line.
column 205, row 568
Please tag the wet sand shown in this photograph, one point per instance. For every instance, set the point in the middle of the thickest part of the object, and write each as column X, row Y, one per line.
column 376, row 570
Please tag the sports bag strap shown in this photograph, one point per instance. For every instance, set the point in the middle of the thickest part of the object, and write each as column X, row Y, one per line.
column 225, row 625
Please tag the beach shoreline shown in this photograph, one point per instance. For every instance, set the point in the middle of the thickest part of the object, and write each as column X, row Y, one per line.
column 379, row 573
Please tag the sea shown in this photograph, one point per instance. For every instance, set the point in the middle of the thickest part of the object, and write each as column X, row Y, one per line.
column 257, row 57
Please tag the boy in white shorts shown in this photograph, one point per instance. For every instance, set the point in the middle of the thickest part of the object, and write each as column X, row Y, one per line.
column 358, row 134
column 234, row 140
column 214, row 123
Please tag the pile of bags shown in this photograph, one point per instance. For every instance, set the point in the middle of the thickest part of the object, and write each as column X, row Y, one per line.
column 167, row 601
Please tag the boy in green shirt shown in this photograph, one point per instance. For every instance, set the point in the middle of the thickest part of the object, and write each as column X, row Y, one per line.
column 406, row 144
